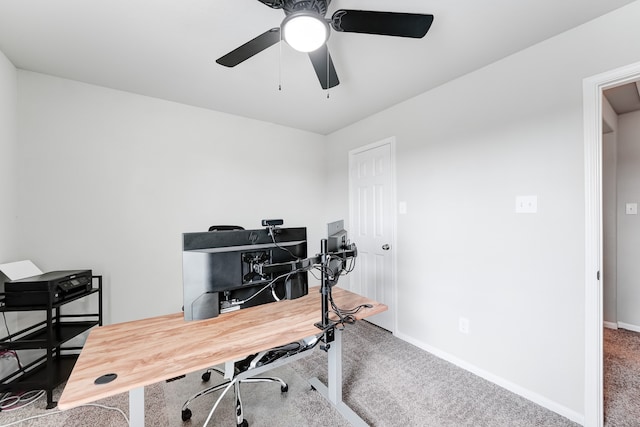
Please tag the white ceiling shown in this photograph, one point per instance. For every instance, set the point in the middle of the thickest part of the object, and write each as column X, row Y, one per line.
column 167, row 49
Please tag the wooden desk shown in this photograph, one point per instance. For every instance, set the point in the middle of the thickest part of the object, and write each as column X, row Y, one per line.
column 148, row 351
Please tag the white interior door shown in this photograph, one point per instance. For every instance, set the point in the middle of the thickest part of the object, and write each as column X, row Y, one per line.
column 372, row 226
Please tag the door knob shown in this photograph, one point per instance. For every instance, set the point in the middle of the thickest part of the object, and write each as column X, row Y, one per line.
column 385, row 247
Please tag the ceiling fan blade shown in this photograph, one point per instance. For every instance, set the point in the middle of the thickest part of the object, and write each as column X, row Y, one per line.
column 384, row 23
column 250, row 48
column 322, row 63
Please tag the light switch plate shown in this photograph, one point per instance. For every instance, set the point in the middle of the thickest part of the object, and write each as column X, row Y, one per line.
column 631, row 209
column 526, row 204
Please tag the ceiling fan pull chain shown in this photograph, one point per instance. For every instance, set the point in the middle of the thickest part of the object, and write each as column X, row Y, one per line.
column 328, row 85
column 280, row 63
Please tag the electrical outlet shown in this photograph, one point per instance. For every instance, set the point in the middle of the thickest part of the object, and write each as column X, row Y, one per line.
column 631, row 209
column 463, row 325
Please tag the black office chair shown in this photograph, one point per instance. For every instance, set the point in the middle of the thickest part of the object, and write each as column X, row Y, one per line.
column 225, row 228
column 245, row 371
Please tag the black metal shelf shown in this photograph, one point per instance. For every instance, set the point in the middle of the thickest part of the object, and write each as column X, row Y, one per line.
column 53, row 368
column 60, row 369
column 63, row 332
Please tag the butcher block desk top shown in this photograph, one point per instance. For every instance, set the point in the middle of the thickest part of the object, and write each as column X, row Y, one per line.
column 147, row 351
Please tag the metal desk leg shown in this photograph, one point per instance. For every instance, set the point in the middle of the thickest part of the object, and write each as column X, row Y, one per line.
column 333, row 390
column 136, row 407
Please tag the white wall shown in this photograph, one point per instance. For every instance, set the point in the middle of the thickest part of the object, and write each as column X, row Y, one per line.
column 628, row 225
column 8, row 141
column 109, row 180
column 465, row 150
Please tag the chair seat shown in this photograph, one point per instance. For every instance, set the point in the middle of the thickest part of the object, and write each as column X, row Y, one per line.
column 245, row 371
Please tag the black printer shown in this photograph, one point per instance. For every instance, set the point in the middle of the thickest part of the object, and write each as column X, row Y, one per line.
column 54, row 286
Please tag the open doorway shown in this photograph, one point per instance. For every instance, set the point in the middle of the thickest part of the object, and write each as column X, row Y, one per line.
column 621, row 234
column 593, row 89
column 620, row 189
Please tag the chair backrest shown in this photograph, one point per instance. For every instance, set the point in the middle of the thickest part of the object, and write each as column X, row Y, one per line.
column 225, row 227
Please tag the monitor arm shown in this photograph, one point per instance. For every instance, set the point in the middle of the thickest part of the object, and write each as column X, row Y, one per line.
column 328, row 278
column 265, row 268
column 300, row 265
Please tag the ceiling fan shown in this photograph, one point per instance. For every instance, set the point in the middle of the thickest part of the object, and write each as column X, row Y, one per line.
column 305, row 19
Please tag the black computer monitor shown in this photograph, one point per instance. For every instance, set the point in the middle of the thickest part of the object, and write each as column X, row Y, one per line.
column 341, row 252
column 336, row 236
column 227, row 270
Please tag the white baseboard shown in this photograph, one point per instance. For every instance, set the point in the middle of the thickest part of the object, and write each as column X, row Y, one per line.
column 508, row 385
column 610, row 325
column 629, row 327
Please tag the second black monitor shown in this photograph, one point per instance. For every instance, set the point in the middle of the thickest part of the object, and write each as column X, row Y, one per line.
column 222, row 269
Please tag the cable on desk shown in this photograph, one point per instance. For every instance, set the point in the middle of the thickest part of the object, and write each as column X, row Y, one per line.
column 344, row 266
column 271, row 283
column 290, row 349
column 226, row 389
column 312, row 273
column 272, row 233
column 350, row 268
column 346, row 316
column 14, row 401
column 57, row 411
column 274, row 295
column 6, row 325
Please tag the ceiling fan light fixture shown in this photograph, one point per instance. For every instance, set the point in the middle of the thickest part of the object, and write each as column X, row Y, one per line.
column 305, row 31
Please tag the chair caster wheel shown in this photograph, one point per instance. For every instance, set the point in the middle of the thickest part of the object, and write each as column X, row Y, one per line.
column 206, row 376
column 284, row 388
column 244, row 423
column 186, row 414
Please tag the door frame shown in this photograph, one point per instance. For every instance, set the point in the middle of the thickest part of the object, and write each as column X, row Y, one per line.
column 592, row 89
column 391, row 141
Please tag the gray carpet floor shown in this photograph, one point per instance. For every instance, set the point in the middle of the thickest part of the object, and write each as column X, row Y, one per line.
column 387, row 381
column 621, row 378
